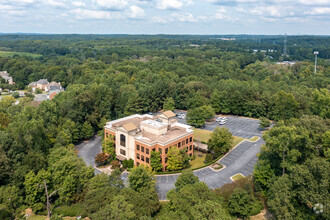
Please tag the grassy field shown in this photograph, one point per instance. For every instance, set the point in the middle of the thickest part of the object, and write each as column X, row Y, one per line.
column 198, row 161
column 204, row 136
column 237, row 177
column 12, row 53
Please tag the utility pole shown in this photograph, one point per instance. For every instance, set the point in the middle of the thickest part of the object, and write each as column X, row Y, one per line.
column 315, row 53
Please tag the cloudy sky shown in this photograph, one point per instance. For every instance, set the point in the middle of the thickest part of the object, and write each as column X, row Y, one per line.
column 166, row 16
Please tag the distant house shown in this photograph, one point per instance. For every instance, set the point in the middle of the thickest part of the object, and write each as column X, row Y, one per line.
column 44, row 85
column 40, row 84
column 5, row 75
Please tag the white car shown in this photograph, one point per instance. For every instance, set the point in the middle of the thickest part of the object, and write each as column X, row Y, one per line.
column 222, row 122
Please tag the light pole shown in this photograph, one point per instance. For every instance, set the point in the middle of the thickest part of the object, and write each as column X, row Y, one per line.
column 315, row 53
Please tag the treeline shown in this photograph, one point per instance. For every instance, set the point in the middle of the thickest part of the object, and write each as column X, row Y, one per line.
column 293, row 170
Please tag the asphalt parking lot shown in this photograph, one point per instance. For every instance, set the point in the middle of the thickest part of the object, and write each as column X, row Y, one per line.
column 238, row 126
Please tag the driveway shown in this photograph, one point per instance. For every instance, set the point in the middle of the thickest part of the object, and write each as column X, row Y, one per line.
column 87, row 150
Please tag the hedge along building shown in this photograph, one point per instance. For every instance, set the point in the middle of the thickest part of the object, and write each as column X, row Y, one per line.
column 136, row 136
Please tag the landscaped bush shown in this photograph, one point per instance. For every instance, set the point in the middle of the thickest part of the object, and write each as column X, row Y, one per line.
column 115, row 164
column 209, row 158
column 102, row 159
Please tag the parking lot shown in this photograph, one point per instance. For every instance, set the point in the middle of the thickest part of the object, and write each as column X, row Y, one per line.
column 238, row 126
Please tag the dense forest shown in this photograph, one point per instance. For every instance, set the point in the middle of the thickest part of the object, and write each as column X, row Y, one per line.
column 111, row 76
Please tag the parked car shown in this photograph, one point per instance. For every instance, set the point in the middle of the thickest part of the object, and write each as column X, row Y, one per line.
column 222, row 122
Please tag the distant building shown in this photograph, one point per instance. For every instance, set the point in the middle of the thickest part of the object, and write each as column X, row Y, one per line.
column 136, row 136
column 44, row 85
column 288, row 63
column 5, row 75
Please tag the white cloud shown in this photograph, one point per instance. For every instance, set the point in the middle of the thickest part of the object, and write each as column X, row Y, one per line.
column 221, row 14
column 169, row 4
column 136, row 12
column 319, row 11
column 93, row 14
column 112, row 5
column 55, row 3
column 79, row 4
column 176, row 17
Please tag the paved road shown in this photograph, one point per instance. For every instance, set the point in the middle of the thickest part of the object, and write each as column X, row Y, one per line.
column 87, row 151
column 240, row 160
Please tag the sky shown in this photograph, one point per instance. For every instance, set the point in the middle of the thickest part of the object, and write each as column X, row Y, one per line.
column 166, row 16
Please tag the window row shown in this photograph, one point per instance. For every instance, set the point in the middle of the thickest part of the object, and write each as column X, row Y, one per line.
column 142, row 158
column 142, row 149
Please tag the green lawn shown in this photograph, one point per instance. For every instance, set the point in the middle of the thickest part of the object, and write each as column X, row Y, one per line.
column 198, row 161
column 255, row 138
column 237, row 177
column 205, row 135
column 12, row 53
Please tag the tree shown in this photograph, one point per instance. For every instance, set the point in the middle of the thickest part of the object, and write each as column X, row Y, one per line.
column 220, row 141
column 101, row 159
column 155, row 161
column 240, row 203
column 87, row 130
column 209, row 210
column 33, row 185
column 197, row 116
column 115, row 164
column 174, row 159
column 141, row 178
column 169, row 104
column 10, row 199
column 264, row 122
column 119, row 209
column 187, row 177
column 285, row 106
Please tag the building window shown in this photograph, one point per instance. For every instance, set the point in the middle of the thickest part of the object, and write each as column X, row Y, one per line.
column 160, row 150
column 190, row 147
column 138, row 147
column 190, row 139
column 122, row 152
column 166, row 159
column 142, row 157
column 153, row 149
column 179, row 144
column 187, row 141
column 183, row 143
column 147, row 150
column 122, row 140
column 147, row 159
column 166, row 150
column 142, row 149
column 138, row 156
column 137, row 164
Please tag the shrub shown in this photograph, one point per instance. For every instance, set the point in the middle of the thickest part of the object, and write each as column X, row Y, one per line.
column 15, row 95
column 102, row 159
column 115, row 164
column 208, row 158
column 130, row 163
column 125, row 164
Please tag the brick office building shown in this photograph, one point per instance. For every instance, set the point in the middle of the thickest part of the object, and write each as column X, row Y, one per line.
column 136, row 136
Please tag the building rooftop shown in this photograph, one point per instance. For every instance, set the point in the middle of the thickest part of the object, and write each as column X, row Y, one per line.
column 168, row 114
column 166, row 133
column 129, row 126
column 172, row 133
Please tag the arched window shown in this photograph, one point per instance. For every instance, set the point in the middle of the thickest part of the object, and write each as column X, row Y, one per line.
column 122, row 140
